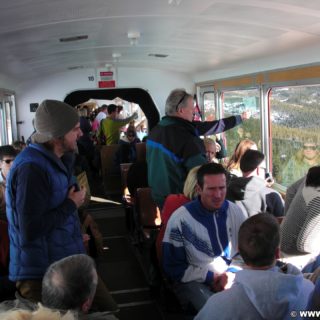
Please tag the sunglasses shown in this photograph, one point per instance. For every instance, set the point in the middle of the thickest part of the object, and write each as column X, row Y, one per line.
column 7, row 161
column 309, row 148
column 184, row 95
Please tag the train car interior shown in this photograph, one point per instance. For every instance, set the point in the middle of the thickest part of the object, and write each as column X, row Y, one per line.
column 233, row 56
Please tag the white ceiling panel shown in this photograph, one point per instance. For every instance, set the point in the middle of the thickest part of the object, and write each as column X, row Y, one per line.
column 196, row 35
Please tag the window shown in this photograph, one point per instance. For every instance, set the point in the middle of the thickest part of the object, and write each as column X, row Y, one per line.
column 209, row 106
column 295, row 115
column 236, row 102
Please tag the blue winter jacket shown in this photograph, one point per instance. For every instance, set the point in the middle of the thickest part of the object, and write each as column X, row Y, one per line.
column 43, row 223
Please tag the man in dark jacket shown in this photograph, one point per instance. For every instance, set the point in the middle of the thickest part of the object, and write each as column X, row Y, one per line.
column 251, row 192
column 174, row 146
column 43, row 198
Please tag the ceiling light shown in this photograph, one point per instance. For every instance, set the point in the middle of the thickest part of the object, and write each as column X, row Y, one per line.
column 116, row 56
column 75, row 67
column 157, row 55
column 133, row 37
column 71, row 39
column 174, row 2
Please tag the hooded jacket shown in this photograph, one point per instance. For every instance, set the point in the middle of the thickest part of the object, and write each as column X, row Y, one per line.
column 253, row 196
column 260, row 294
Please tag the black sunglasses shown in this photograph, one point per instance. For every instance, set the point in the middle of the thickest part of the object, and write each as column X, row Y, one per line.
column 184, row 95
column 8, row 161
column 309, row 147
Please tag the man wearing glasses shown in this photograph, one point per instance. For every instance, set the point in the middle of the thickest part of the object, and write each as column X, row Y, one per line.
column 174, row 146
column 7, row 155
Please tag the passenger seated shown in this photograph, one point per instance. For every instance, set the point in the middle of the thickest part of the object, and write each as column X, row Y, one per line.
column 201, row 239
column 314, row 301
column 7, row 155
column 211, row 149
column 7, row 287
column 234, row 163
column 70, row 284
column 262, row 290
column 301, row 227
column 251, row 192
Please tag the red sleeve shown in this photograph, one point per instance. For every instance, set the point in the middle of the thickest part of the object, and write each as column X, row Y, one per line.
column 171, row 204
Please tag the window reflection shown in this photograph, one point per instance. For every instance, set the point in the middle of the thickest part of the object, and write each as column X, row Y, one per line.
column 295, row 117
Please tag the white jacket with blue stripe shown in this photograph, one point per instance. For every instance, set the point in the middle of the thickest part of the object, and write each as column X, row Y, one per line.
column 198, row 242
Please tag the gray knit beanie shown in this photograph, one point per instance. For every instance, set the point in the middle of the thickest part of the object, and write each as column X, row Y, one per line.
column 53, row 120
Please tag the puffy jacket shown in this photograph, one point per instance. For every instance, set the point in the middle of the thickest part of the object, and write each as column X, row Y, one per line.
column 43, row 223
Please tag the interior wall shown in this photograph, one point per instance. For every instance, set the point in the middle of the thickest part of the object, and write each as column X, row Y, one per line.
column 302, row 56
column 7, row 83
column 57, row 86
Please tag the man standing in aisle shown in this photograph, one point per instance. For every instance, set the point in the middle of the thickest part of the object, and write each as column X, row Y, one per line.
column 43, row 198
column 174, row 146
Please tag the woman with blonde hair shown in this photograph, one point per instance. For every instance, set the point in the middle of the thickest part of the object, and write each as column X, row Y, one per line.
column 175, row 201
column 234, row 163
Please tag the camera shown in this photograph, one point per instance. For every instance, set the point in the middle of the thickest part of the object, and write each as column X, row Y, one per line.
column 268, row 177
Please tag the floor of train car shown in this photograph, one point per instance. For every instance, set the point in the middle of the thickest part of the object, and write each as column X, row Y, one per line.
column 123, row 267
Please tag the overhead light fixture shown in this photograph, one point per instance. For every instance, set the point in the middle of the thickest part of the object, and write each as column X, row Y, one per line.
column 108, row 66
column 133, row 36
column 174, row 2
column 116, row 56
column 157, row 55
column 76, row 38
column 75, row 67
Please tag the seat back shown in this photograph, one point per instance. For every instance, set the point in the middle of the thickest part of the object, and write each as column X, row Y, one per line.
column 147, row 210
column 141, row 151
column 110, row 175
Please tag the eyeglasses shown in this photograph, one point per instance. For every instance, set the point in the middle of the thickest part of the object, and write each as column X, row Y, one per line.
column 7, row 161
column 130, row 135
column 309, row 148
column 184, row 95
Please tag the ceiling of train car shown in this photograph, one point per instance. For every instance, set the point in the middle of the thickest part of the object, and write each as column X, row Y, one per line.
column 192, row 35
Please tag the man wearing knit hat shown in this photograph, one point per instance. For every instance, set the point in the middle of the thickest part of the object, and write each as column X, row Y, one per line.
column 43, row 198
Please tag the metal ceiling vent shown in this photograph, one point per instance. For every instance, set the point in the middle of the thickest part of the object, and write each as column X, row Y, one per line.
column 76, row 38
column 157, row 55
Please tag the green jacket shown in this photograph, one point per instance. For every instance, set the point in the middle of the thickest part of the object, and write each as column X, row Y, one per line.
column 173, row 148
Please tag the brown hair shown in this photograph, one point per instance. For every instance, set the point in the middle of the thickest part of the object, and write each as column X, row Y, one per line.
column 241, row 148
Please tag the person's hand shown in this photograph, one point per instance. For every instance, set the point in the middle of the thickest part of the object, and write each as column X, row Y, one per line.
column 223, row 281
column 246, row 115
column 135, row 115
column 218, row 147
column 77, row 197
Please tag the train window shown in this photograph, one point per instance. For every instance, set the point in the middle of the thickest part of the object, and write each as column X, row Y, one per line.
column 295, row 131
column 209, row 106
column 8, row 129
column 236, row 102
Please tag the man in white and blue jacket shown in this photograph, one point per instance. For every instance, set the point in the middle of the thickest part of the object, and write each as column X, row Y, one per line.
column 201, row 238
